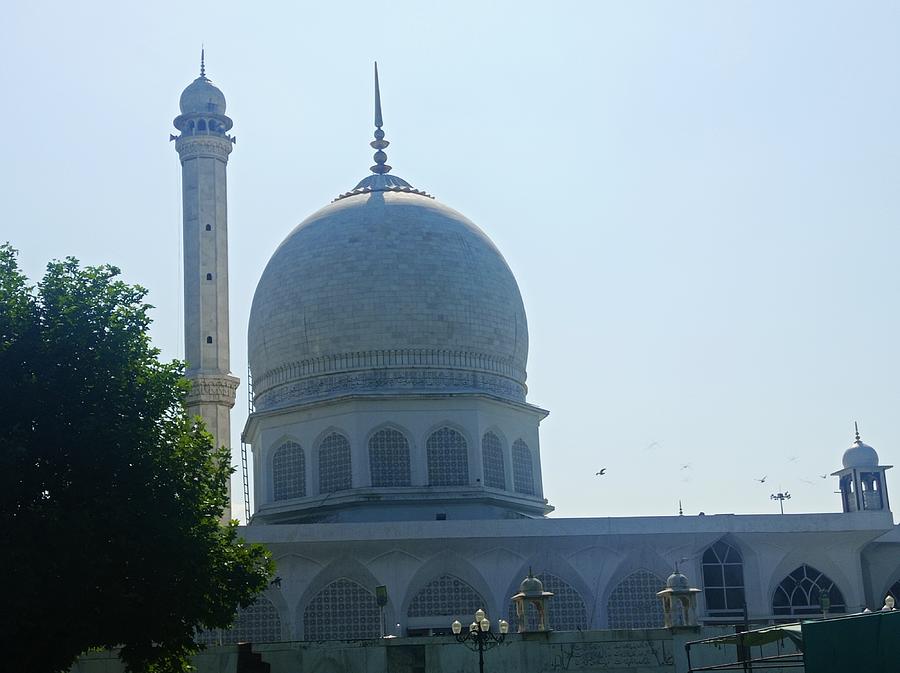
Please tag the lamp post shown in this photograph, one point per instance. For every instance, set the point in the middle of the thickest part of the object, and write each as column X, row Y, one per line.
column 781, row 497
column 479, row 636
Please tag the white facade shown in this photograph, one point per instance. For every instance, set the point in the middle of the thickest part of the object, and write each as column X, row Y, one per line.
column 393, row 445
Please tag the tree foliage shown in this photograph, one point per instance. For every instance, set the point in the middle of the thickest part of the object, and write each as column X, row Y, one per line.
column 110, row 495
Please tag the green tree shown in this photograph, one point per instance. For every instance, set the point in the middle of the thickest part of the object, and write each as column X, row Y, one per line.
column 110, row 495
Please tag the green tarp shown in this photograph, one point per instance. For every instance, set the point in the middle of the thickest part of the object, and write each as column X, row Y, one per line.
column 868, row 643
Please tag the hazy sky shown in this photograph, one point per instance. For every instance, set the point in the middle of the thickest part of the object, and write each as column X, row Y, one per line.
column 699, row 201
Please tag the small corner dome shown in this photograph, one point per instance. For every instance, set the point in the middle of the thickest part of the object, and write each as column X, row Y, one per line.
column 677, row 581
column 531, row 586
column 201, row 96
column 860, row 455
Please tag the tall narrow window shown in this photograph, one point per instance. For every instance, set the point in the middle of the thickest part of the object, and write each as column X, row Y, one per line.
column 334, row 463
column 289, row 471
column 209, row 276
column 800, row 593
column 209, row 227
column 633, row 604
column 389, row 458
column 448, row 461
column 723, row 581
column 523, row 470
column 492, row 457
column 343, row 610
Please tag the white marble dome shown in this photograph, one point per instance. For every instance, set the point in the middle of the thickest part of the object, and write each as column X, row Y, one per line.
column 386, row 291
column 201, row 97
column 860, row 455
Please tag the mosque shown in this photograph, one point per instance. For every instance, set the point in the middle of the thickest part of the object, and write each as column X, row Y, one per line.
column 397, row 461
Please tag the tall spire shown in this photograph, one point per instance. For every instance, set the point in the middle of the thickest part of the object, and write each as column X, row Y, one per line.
column 380, row 167
column 202, row 61
column 856, row 427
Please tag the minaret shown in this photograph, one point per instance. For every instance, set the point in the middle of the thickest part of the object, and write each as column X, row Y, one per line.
column 203, row 146
column 862, row 479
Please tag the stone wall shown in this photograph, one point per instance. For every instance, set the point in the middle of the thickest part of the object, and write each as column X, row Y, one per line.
column 632, row 651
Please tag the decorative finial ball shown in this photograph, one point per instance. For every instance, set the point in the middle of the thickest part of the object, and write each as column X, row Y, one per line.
column 379, row 134
column 380, row 157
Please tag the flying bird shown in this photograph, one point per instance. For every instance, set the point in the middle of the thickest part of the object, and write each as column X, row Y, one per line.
column 792, row 459
column 823, row 476
column 600, row 473
column 685, row 466
column 651, row 445
column 763, row 480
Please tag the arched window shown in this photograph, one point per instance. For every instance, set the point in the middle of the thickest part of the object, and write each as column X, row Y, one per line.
column 209, row 227
column 633, row 604
column 389, row 458
column 201, row 125
column 289, row 471
column 567, row 609
column 492, row 456
column 723, row 581
column 334, row 464
column 448, row 458
column 893, row 591
column 446, row 596
column 343, row 610
column 523, row 469
column 800, row 592
column 257, row 623
column 209, row 276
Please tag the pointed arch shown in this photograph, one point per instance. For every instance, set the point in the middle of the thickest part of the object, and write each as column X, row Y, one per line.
column 448, row 457
column 448, row 563
column 259, row 622
column 523, row 468
column 633, row 604
column 723, row 580
column 799, row 593
column 389, row 457
column 335, row 471
column 342, row 610
column 289, row 471
column 445, row 596
column 492, row 460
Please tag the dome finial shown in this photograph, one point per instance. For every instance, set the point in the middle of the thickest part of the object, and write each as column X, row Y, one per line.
column 202, row 61
column 856, row 427
column 380, row 167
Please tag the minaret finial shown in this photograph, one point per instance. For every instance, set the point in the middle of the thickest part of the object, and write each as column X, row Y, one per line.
column 856, row 427
column 680, row 510
column 202, row 61
column 379, row 143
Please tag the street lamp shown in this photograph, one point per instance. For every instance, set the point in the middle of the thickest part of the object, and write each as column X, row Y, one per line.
column 781, row 497
column 479, row 636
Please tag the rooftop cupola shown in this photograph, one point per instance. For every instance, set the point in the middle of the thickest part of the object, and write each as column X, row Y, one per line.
column 202, row 107
column 862, row 479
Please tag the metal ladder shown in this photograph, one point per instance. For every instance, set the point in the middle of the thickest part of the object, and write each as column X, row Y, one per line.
column 244, row 468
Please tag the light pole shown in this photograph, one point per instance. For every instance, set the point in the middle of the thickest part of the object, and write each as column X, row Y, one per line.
column 781, row 497
column 479, row 636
